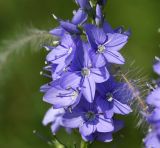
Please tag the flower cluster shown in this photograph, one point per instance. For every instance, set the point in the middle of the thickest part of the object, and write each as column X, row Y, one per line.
column 152, row 140
column 84, row 94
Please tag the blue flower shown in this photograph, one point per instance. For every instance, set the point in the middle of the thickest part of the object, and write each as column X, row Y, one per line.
column 88, row 119
column 105, row 46
column 54, row 117
column 62, row 98
column 114, row 98
column 82, row 74
column 153, row 137
column 152, row 140
column 63, row 54
column 105, row 137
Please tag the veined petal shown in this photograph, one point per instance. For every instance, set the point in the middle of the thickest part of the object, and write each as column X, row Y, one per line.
column 68, row 42
column 88, row 29
column 118, row 125
column 87, row 129
column 69, row 27
column 59, row 70
column 89, row 89
column 155, row 115
column 114, row 57
column 57, row 54
column 89, row 138
column 107, row 27
column 154, row 98
column 70, row 79
column 51, row 115
column 100, row 74
column 59, row 31
column 99, row 15
column 98, row 60
column 104, row 137
column 72, row 120
column 152, row 140
column 104, row 125
column 87, row 60
column 116, row 41
column 61, row 97
column 105, row 107
column 56, row 125
column 84, row 4
column 95, row 35
column 120, row 108
column 80, row 17
column 44, row 88
column 78, row 60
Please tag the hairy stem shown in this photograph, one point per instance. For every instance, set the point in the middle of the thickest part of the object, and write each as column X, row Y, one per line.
column 139, row 99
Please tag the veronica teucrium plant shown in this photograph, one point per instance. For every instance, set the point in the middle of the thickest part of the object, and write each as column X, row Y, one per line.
column 84, row 92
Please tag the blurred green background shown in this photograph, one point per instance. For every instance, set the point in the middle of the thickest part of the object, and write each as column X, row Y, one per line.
column 21, row 106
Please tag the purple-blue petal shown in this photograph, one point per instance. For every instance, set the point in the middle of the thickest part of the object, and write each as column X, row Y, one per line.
column 156, row 67
column 84, row 4
column 104, row 125
column 72, row 120
column 104, row 137
column 116, row 41
column 154, row 98
column 100, row 74
column 89, row 89
column 59, row 31
column 114, row 57
column 87, row 129
column 120, row 108
column 70, row 79
column 80, row 17
column 69, row 27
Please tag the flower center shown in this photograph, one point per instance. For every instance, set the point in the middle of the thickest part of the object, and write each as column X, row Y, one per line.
column 101, row 48
column 90, row 116
column 85, row 72
column 109, row 97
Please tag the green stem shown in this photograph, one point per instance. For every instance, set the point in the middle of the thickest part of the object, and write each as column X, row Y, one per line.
column 84, row 144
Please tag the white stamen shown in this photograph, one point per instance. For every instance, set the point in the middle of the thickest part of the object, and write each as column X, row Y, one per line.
column 55, row 17
column 110, row 99
column 41, row 73
column 55, row 43
column 47, row 49
column 70, row 50
column 74, row 12
column 157, row 58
